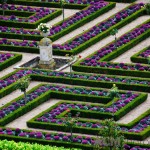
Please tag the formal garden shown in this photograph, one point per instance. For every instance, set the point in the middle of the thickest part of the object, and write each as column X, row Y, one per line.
column 74, row 74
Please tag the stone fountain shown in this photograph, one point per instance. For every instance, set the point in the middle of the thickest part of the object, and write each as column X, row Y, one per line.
column 46, row 60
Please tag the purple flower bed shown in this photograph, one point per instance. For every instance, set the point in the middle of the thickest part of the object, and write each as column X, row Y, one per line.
column 5, row 56
column 140, row 126
column 4, row 83
column 47, row 136
column 24, row 43
column 51, row 116
column 101, row 27
column 98, row 77
column 145, row 53
column 94, row 60
column 39, row 12
column 85, row 36
column 56, row 29
column 125, row 98
column 53, row 136
column 75, row 1
column 128, row 147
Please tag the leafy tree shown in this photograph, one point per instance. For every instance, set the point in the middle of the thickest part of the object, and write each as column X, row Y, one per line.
column 70, row 122
column 23, row 84
column 114, row 92
column 111, row 137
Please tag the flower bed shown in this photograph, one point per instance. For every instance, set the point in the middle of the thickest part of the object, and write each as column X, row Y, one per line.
column 142, row 56
column 80, row 18
column 8, row 59
column 95, row 80
column 52, row 118
column 99, row 28
column 97, row 60
column 59, row 139
column 76, row 78
column 91, row 36
column 37, row 15
column 53, row 138
column 41, row 94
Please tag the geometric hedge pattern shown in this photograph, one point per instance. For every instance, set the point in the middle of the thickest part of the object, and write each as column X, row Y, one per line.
column 87, row 89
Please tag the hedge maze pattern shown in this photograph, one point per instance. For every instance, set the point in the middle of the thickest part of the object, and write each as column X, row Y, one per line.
column 88, row 86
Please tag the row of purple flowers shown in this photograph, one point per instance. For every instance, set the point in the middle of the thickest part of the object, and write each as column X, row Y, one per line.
column 4, row 83
column 57, row 137
column 145, row 53
column 99, row 28
column 46, row 136
column 27, row 43
column 94, row 31
column 97, row 77
column 39, row 12
column 123, row 100
column 51, row 116
column 140, row 126
column 74, row 1
column 68, row 22
column 5, row 56
column 94, row 59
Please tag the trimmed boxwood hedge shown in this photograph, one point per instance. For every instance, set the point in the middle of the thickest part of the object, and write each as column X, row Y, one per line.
column 137, row 136
column 45, row 142
column 114, row 54
column 47, row 4
column 44, row 97
column 65, row 31
column 138, row 59
column 31, row 25
column 10, row 61
column 83, row 82
column 104, row 34
column 85, row 114
column 82, row 46
column 93, row 83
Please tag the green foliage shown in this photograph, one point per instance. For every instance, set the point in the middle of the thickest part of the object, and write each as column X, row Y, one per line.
column 11, row 145
column 10, row 61
column 23, row 83
column 114, row 31
column 114, row 92
column 147, row 7
column 111, row 136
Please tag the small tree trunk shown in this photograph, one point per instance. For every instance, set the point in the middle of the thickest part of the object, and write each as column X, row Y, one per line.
column 3, row 10
column 70, row 71
column 71, row 138
column 63, row 13
column 25, row 96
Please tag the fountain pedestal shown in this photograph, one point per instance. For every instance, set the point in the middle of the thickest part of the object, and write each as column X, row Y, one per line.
column 46, row 60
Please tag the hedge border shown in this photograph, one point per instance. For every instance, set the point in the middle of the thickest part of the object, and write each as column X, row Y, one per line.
column 10, row 61
column 80, row 82
column 31, row 25
column 135, row 73
column 138, row 59
column 83, row 113
column 102, row 35
column 65, row 31
column 84, row 45
column 48, row 4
